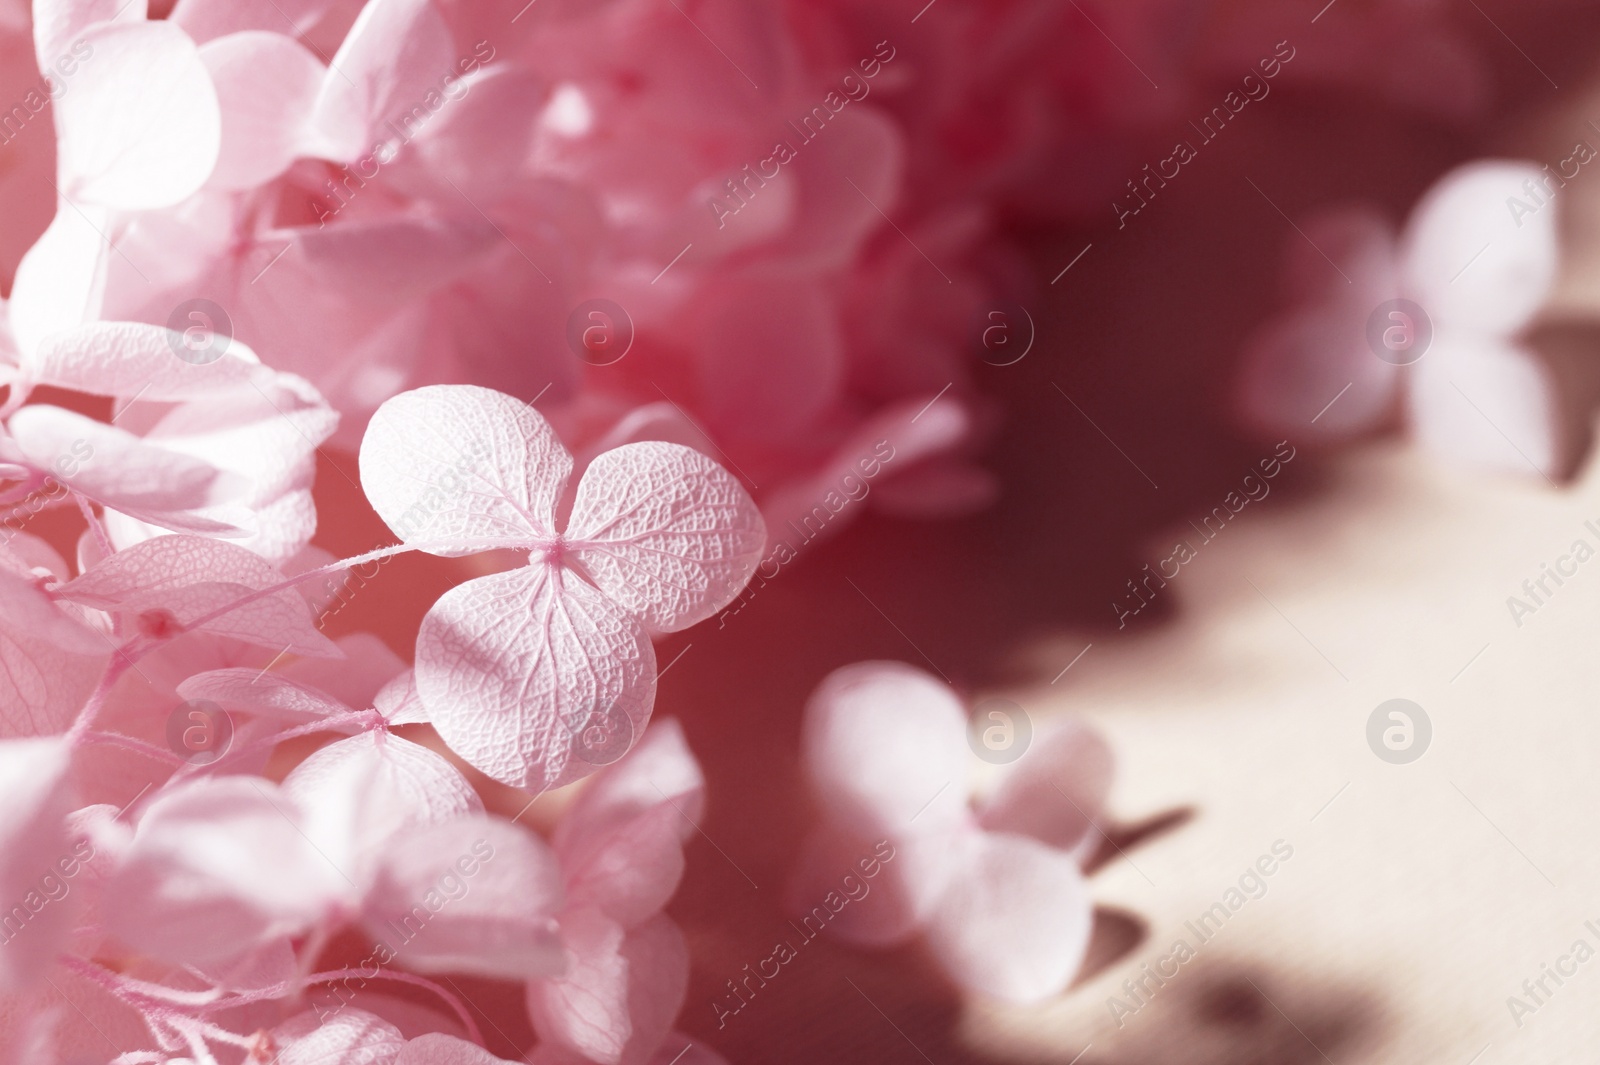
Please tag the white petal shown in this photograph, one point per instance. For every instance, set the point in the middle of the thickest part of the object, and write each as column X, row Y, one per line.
column 265, row 85
column 885, row 747
column 261, row 693
column 513, row 666
column 130, row 359
column 394, row 56
column 61, row 281
column 113, row 467
column 189, row 577
column 140, row 128
column 363, row 793
column 476, row 895
column 435, row 1048
column 33, row 837
column 1474, row 258
column 1014, row 923
column 217, row 868
column 461, row 465
column 57, row 25
column 348, row 1037
column 1482, row 403
column 666, row 532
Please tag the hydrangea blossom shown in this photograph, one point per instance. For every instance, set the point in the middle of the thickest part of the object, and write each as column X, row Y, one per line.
column 992, row 880
column 203, row 906
column 1433, row 316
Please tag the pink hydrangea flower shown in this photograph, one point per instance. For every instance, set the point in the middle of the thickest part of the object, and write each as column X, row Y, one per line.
column 992, row 880
column 1428, row 320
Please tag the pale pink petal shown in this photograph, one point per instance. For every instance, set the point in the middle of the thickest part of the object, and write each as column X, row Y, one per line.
column 833, row 219
column 658, row 979
column 1480, row 402
column 321, row 24
column 512, row 667
column 438, row 1049
column 348, row 1037
column 475, row 895
column 140, row 128
column 1472, row 258
column 865, row 890
column 268, row 695
column 115, row 468
column 218, row 867
column 660, row 769
column 630, row 873
column 357, row 680
column 1316, row 364
column 897, row 437
column 57, row 25
column 619, row 999
column 463, row 468
column 391, row 61
column 885, row 747
column 133, row 359
column 265, row 434
column 1014, row 922
column 586, row 1010
column 33, row 838
column 49, row 659
column 389, row 258
column 189, row 578
column 362, row 794
column 399, row 702
column 1056, row 791
column 78, row 1018
column 477, row 143
column 266, row 84
column 665, row 532
column 1312, row 369
column 61, row 281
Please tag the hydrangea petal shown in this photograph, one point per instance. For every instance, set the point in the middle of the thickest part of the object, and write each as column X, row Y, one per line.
column 190, row 577
column 362, row 794
column 474, row 894
column 33, row 836
column 463, row 467
column 1479, row 402
column 218, row 867
column 141, row 127
column 665, row 532
column 885, row 747
column 1056, row 791
column 1471, row 259
column 1014, row 923
column 266, row 84
column 511, row 667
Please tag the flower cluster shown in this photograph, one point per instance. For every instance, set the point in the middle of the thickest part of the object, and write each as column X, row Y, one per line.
column 191, row 871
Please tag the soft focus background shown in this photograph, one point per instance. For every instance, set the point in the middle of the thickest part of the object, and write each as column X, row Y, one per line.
column 1419, row 896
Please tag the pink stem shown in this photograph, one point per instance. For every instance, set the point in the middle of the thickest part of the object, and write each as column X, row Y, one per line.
column 320, row 571
column 116, row 739
column 114, row 669
column 100, row 537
